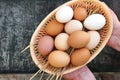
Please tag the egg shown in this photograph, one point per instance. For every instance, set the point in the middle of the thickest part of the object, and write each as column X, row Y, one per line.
column 80, row 13
column 72, row 26
column 53, row 28
column 64, row 14
column 45, row 45
column 80, row 56
column 61, row 41
column 78, row 39
column 58, row 58
column 95, row 22
column 94, row 39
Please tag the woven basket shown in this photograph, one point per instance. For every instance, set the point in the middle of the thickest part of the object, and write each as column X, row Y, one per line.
column 92, row 6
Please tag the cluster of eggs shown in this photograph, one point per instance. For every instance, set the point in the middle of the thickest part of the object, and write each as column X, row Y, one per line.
column 67, row 31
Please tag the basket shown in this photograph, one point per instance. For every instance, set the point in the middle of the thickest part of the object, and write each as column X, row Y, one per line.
column 92, row 6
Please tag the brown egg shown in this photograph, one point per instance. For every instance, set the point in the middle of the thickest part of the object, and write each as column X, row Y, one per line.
column 54, row 28
column 80, row 13
column 78, row 39
column 45, row 45
column 58, row 58
column 80, row 57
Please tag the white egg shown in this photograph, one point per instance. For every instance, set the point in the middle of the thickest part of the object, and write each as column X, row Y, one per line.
column 94, row 39
column 95, row 22
column 72, row 26
column 64, row 14
column 61, row 41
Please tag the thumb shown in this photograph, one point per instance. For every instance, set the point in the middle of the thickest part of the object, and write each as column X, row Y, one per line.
column 86, row 74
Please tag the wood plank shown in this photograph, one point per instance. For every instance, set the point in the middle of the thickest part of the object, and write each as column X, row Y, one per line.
column 99, row 76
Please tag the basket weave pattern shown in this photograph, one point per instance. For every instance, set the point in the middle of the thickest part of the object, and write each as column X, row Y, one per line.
column 92, row 6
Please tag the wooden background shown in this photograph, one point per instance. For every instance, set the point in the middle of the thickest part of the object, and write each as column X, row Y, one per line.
column 19, row 19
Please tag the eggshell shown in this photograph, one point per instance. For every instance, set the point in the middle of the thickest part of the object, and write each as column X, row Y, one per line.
column 73, row 25
column 78, row 39
column 80, row 13
column 80, row 57
column 45, row 45
column 53, row 28
column 94, row 39
column 64, row 14
column 95, row 22
column 61, row 41
column 58, row 58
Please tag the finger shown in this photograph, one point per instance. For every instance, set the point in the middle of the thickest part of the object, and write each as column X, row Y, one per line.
column 115, row 19
column 114, row 16
column 86, row 74
column 80, row 74
column 72, row 75
column 116, row 25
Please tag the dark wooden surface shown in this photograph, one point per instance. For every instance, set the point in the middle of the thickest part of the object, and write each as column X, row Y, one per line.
column 99, row 76
column 19, row 19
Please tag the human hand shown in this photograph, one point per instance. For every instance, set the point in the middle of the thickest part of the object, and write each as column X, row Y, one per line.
column 114, row 40
column 81, row 74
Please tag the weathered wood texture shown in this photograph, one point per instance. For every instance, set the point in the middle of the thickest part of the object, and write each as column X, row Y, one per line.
column 19, row 19
column 99, row 76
